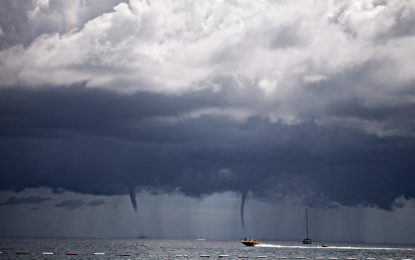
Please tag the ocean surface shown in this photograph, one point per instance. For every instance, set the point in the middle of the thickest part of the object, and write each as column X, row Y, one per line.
column 192, row 249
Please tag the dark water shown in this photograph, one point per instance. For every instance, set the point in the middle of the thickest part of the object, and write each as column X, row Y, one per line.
column 191, row 249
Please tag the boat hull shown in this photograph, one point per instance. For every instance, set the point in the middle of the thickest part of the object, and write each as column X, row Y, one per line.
column 250, row 242
column 307, row 241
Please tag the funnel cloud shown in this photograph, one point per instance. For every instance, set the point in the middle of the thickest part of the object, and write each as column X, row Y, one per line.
column 243, row 200
column 131, row 192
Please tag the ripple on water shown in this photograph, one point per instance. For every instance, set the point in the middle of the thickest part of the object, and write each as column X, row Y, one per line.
column 187, row 249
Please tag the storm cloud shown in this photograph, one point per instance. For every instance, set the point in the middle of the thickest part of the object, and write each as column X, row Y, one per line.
column 70, row 204
column 270, row 98
column 64, row 138
column 24, row 200
column 95, row 203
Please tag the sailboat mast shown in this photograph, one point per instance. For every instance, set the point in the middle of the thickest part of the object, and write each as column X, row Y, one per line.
column 306, row 222
column 307, row 240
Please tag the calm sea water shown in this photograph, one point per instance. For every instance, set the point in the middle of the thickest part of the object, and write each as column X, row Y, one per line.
column 191, row 249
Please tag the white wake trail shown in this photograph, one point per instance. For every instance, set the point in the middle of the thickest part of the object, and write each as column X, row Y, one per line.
column 336, row 247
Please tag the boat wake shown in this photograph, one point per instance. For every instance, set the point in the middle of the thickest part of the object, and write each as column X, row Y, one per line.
column 335, row 247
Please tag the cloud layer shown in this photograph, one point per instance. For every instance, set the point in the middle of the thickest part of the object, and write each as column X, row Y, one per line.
column 24, row 200
column 70, row 204
column 312, row 99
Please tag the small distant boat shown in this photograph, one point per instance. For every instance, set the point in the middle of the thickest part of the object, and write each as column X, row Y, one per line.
column 324, row 245
column 250, row 242
column 71, row 253
column 307, row 240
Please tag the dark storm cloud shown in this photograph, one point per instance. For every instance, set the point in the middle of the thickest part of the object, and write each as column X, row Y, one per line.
column 275, row 98
column 95, row 203
column 95, row 141
column 24, row 200
column 70, row 204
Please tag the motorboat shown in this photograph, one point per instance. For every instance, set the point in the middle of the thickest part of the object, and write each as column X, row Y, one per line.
column 250, row 242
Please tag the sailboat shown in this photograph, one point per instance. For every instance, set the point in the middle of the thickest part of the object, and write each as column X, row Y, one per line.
column 307, row 240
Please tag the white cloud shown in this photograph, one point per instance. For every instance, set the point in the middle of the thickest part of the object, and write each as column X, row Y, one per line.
column 275, row 48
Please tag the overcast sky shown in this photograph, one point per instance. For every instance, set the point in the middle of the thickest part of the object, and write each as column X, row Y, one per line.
column 290, row 104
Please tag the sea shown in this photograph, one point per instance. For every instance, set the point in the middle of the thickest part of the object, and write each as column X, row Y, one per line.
column 192, row 249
